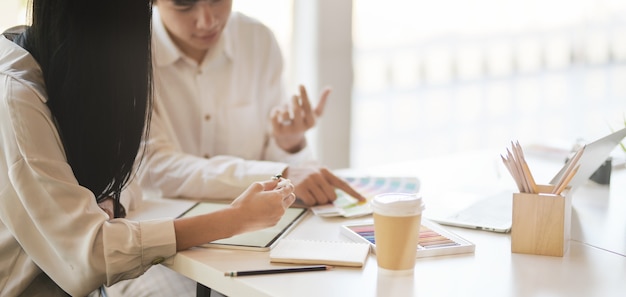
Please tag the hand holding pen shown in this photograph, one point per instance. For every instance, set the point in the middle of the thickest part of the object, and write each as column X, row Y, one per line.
column 282, row 183
column 263, row 204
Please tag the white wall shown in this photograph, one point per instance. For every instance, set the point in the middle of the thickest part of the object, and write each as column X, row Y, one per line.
column 322, row 56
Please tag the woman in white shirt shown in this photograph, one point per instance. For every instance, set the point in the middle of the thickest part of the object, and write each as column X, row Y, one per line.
column 74, row 101
column 215, row 129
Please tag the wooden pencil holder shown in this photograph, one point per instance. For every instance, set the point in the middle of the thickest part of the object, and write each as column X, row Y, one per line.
column 541, row 222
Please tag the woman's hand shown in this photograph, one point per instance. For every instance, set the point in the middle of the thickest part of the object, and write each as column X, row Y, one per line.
column 263, row 204
column 290, row 122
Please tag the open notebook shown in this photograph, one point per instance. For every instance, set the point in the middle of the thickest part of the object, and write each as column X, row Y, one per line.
column 260, row 240
column 494, row 211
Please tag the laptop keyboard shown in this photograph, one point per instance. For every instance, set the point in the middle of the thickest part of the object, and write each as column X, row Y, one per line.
column 495, row 210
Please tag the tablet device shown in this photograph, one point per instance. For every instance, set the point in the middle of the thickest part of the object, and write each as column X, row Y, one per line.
column 260, row 240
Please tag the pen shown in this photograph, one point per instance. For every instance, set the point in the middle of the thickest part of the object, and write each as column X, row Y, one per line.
column 280, row 270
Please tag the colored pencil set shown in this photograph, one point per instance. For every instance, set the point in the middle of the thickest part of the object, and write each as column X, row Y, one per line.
column 517, row 166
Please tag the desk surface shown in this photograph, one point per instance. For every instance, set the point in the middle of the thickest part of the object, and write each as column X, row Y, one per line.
column 595, row 264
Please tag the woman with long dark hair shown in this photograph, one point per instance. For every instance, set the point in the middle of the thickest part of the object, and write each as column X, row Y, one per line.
column 75, row 98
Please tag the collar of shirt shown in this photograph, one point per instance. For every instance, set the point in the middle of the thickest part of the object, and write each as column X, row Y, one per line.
column 19, row 64
column 166, row 52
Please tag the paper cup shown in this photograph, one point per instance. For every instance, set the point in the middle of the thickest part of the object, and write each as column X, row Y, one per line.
column 397, row 220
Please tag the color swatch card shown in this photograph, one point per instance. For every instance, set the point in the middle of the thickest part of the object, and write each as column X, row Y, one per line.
column 434, row 240
column 349, row 207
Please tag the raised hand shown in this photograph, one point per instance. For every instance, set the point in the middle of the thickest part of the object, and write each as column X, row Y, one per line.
column 291, row 121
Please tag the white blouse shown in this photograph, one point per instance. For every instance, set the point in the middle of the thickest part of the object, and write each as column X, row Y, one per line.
column 210, row 134
column 53, row 234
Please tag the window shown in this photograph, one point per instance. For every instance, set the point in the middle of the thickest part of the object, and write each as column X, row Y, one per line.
column 12, row 13
column 431, row 80
column 277, row 15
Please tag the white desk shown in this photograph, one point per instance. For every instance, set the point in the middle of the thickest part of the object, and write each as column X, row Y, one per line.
column 599, row 216
column 594, row 265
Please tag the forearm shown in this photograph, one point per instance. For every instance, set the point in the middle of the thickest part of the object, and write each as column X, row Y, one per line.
column 275, row 153
column 292, row 144
column 181, row 175
column 205, row 228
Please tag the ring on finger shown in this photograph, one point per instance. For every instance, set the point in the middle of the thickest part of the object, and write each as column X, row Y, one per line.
column 287, row 202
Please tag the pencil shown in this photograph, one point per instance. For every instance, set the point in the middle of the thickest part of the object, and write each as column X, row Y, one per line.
column 529, row 176
column 508, row 166
column 279, row 270
column 573, row 162
column 562, row 185
column 518, row 172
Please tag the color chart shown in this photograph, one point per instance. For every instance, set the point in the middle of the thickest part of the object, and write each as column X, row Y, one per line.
column 368, row 186
column 434, row 240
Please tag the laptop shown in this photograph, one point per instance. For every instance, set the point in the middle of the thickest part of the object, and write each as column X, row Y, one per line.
column 494, row 212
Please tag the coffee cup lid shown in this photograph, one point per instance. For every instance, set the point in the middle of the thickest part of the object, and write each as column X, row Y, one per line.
column 398, row 204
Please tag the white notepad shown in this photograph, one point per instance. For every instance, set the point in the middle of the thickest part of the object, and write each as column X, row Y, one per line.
column 337, row 253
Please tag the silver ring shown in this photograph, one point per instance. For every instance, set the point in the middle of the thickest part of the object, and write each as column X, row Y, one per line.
column 287, row 198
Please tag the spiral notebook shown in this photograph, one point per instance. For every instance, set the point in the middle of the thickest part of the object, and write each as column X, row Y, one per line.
column 336, row 253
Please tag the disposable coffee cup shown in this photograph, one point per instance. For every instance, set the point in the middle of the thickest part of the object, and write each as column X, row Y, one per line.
column 397, row 220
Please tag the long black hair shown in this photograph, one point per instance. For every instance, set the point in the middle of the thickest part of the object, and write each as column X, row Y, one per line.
column 96, row 63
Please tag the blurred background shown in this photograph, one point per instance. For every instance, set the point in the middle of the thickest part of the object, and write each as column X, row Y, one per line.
column 418, row 79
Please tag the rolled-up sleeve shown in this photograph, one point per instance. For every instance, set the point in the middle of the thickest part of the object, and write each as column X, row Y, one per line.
column 145, row 245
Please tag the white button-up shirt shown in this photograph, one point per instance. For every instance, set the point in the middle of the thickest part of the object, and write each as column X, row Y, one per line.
column 53, row 234
column 210, row 132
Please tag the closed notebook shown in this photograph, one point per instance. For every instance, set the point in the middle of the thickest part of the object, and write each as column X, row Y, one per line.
column 337, row 253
